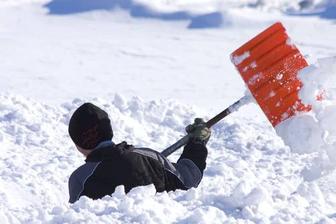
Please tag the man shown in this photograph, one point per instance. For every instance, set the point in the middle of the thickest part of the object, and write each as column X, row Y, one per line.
column 108, row 165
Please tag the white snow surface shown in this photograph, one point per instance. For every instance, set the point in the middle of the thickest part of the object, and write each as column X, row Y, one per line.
column 315, row 131
column 153, row 74
column 251, row 175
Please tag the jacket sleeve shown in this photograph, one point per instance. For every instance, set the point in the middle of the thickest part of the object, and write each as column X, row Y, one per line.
column 197, row 153
column 189, row 168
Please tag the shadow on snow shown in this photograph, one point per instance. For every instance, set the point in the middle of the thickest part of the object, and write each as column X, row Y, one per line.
column 328, row 12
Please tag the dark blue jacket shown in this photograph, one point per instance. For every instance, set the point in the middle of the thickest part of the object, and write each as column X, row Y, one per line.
column 112, row 165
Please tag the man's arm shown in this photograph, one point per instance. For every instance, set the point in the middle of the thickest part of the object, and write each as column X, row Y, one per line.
column 192, row 162
column 197, row 153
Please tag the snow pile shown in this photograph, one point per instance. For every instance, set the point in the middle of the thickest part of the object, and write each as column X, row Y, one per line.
column 176, row 9
column 38, row 157
column 10, row 3
column 199, row 13
column 220, row 5
column 315, row 131
column 250, row 177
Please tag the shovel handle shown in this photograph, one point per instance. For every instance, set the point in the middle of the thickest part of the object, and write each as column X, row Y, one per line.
column 183, row 141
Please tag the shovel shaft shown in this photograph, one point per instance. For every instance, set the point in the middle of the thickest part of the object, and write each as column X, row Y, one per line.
column 183, row 141
column 234, row 107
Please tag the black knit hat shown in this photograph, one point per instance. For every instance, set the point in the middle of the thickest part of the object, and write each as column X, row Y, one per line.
column 89, row 125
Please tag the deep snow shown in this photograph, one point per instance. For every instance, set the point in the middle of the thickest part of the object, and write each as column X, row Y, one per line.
column 251, row 175
column 153, row 75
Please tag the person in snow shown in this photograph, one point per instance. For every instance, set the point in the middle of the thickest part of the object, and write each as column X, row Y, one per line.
column 109, row 165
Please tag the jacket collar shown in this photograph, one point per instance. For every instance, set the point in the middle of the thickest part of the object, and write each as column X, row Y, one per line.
column 107, row 149
column 99, row 148
column 104, row 144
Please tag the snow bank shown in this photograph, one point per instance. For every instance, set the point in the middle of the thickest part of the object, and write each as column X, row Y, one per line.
column 177, row 9
column 315, row 131
column 199, row 13
column 11, row 3
column 215, row 5
column 251, row 177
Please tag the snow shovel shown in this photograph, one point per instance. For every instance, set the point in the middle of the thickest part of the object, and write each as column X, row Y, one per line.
column 268, row 64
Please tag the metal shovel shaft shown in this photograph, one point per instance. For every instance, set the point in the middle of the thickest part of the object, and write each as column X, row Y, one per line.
column 183, row 141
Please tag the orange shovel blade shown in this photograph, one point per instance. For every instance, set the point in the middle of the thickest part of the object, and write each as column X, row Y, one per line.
column 269, row 64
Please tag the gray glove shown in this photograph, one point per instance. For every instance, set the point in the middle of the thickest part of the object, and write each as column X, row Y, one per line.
column 198, row 131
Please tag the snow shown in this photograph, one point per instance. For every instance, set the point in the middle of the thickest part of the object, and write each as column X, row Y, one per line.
column 240, row 58
column 141, row 62
column 315, row 131
column 254, row 79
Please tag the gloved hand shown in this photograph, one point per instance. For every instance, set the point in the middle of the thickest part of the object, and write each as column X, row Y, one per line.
column 198, row 131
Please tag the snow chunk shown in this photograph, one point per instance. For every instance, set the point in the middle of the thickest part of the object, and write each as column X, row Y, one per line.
column 302, row 133
column 315, row 131
column 290, row 43
column 254, row 79
column 237, row 59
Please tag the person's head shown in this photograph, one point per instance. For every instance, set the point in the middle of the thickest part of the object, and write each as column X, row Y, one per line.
column 89, row 125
